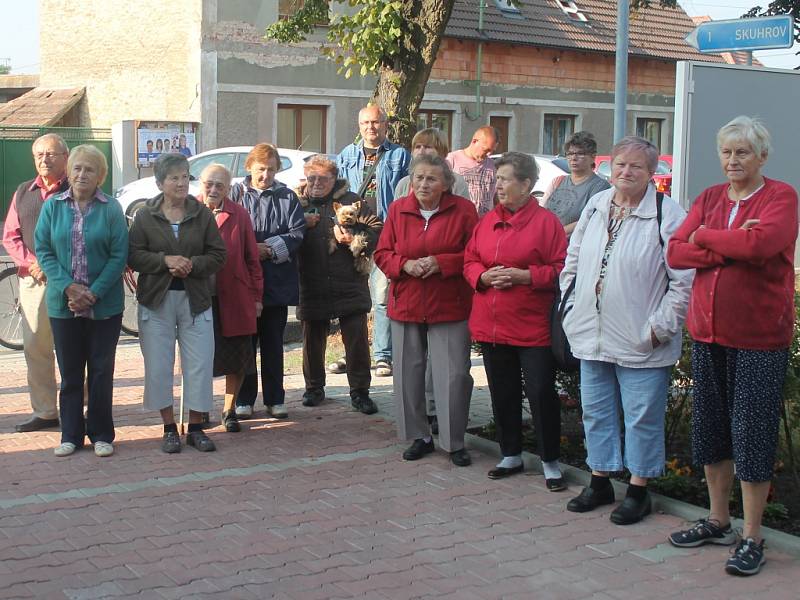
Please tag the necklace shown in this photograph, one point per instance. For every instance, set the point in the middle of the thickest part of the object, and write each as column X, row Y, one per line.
column 619, row 212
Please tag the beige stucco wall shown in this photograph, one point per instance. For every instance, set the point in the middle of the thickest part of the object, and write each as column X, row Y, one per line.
column 137, row 60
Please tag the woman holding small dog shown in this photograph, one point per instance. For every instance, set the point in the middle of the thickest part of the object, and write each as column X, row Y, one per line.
column 335, row 261
column 421, row 251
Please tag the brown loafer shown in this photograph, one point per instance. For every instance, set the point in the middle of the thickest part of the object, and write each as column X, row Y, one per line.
column 36, row 424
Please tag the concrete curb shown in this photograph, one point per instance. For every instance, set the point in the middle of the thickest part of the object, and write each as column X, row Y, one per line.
column 777, row 540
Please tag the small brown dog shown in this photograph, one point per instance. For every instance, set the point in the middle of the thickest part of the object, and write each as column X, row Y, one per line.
column 347, row 219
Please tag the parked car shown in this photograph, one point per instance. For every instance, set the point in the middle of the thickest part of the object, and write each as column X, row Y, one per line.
column 291, row 173
column 662, row 177
column 548, row 170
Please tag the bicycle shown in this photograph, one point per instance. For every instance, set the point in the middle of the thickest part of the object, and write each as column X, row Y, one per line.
column 10, row 310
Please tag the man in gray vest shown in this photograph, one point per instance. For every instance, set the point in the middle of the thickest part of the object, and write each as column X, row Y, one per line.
column 50, row 157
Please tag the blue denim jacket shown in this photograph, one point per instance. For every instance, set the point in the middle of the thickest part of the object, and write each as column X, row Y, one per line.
column 392, row 167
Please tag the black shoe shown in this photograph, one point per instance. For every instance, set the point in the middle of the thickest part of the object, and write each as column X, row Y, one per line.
column 747, row 558
column 460, row 458
column 434, row 423
column 555, row 485
column 231, row 422
column 418, row 449
column 363, row 404
column 503, row 472
column 313, row 397
column 171, row 442
column 36, row 424
column 590, row 499
column 200, row 440
column 631, row 510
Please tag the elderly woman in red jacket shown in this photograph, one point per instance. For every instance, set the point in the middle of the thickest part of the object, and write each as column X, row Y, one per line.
column 513, row 261
column 421, row 251
column 236, row 299
column 740, row 236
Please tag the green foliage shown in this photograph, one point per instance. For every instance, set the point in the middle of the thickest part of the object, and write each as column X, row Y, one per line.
column 360, row 42
column 5, row 69
column 775, row 511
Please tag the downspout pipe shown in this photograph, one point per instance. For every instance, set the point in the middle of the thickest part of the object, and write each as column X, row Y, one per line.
column 621, row 71
column 478, row 67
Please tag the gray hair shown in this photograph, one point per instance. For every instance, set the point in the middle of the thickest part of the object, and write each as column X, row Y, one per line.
column 632, row 143
column 522, row 165
column 431, row 160
column 53, row 137
column 94, row 156
column 167, row 162
column 581, row 141
column 746, row 129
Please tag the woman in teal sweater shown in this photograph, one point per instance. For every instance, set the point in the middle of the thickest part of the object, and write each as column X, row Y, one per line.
column 82, row 247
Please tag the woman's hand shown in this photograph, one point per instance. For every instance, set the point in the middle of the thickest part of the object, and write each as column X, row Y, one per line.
column 311, row 220
column 264, row 251
column 656, row 342
column 414, row 268
column 691, row 237
column 259, row 308
column 342, row 236
column 430, row 265
column 79, row 297
column 501, row 278
column 179, row 266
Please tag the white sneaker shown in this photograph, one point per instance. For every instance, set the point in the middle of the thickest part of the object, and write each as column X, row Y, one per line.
column 244, row 412
column 65, row 449
column 278, row 411
column 103, row 449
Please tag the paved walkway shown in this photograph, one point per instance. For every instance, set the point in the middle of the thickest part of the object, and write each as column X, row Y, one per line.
column 317, row 506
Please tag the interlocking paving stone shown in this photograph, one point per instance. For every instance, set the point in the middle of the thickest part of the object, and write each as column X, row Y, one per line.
column 318, row 506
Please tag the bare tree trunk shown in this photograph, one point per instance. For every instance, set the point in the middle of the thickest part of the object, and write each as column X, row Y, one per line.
column 401, row 83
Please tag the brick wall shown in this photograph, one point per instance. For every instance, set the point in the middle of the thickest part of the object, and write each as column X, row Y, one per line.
column 137, row 60
column 540, row 67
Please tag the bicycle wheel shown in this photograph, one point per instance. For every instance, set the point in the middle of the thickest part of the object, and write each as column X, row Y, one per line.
column 130, row 323
column 10, row 310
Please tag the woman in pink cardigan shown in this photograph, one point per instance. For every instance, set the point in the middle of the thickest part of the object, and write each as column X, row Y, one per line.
column 740, row 236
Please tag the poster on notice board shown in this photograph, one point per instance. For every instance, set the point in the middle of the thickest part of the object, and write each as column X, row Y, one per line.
column 154, row 138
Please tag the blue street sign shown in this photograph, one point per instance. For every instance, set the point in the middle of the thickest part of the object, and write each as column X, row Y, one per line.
column 762, row 33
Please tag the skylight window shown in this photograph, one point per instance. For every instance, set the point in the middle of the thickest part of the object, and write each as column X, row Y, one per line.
column 571, row 10
column 509, row 9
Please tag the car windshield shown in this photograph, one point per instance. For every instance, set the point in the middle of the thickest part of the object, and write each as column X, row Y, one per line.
column 197, row 165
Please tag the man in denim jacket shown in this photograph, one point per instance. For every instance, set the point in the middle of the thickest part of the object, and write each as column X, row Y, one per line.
column 375, row 183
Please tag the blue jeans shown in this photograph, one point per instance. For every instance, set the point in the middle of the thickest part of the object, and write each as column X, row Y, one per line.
column 642, row 395
column 381, row 326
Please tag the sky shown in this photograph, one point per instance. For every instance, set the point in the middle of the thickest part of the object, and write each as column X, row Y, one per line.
column 19, row 31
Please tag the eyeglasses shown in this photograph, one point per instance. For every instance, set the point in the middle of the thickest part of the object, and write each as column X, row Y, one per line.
column 312, row 179
column 41, row 155
column 576, row 155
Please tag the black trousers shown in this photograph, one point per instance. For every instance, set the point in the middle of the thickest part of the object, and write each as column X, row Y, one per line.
column 86, row 346
column 356, row 350
column 271, row 327
column 503, row 365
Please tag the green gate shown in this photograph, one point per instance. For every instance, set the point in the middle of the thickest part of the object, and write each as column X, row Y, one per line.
column 16, row 157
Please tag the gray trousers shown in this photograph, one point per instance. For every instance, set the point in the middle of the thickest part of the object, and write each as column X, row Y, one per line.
column 448, row 347
column 158, row 330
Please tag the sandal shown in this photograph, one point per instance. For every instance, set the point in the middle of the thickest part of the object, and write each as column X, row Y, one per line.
column 231, row 421
column 200, row 440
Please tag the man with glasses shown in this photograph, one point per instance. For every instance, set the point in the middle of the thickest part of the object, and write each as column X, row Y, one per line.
column 567, row 195
column 50, row 159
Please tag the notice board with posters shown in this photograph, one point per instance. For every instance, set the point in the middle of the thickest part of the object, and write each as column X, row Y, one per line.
column 154, row 138
column 709, row 95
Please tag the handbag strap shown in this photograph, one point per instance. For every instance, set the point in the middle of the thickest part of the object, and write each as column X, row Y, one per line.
column 370, row 173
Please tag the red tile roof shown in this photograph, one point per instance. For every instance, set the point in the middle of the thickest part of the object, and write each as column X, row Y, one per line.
column 655, row 32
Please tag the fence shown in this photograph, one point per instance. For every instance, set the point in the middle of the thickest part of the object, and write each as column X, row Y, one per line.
column 16, row 159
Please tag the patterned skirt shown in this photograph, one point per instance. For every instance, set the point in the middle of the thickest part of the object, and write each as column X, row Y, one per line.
column 233, row 354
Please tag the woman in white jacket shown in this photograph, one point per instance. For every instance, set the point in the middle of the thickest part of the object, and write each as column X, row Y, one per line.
column 625, row 326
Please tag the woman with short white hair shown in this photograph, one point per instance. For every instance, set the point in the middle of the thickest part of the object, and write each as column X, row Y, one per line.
column 740, row 236
column 625, row 326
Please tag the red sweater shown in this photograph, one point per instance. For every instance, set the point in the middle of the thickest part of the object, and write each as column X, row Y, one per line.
column 532, row 238
column 743, row 291
column 444, row 296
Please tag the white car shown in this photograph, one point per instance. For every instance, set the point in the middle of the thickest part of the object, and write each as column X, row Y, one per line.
column 291, row 173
